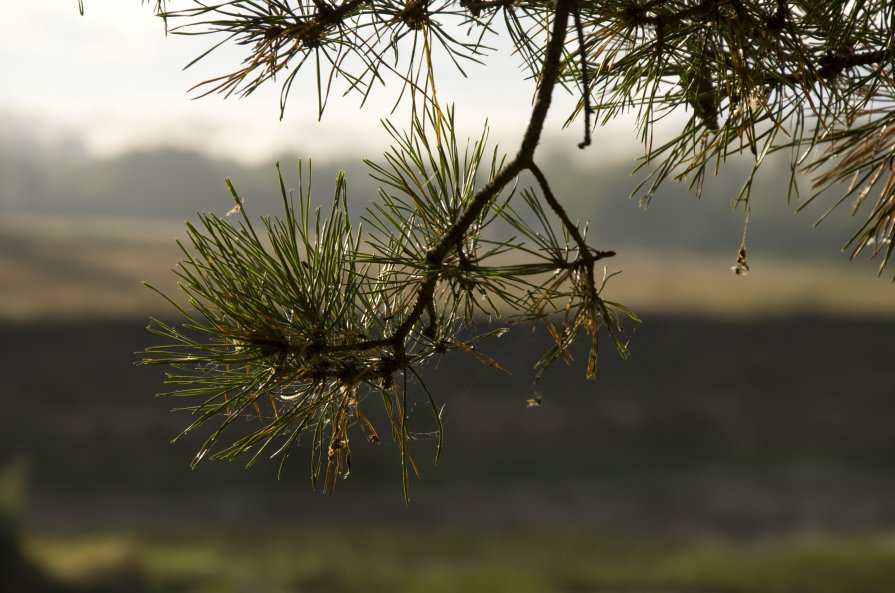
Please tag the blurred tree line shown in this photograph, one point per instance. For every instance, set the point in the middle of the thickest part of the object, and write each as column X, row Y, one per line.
column 174, row 184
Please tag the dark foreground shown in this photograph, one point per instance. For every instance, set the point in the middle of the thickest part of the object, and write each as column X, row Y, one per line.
column 723, row 431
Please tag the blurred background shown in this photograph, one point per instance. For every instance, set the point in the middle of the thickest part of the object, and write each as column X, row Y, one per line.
column 746, row 445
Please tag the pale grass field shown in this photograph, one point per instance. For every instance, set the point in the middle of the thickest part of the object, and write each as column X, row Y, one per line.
column 444, row 560
column 64, row 270
column 55, row 270
column 692, row 284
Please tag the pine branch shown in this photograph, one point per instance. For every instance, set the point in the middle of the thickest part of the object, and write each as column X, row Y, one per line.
column 301, row 323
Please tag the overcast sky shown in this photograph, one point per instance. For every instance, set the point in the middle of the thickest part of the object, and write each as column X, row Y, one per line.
column 113, row 80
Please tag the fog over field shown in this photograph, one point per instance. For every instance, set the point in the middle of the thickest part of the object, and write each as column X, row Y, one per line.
column 61, row 178
column 94, row 228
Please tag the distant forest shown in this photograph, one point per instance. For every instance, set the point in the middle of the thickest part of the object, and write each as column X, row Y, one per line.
column 170, row 183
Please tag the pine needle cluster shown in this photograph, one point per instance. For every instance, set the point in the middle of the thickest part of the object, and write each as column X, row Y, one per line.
column 300, row 326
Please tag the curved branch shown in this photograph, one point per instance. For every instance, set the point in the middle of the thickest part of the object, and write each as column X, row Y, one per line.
column 522, row 161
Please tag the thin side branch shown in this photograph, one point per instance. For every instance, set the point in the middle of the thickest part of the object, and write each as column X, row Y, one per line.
column 588, row 255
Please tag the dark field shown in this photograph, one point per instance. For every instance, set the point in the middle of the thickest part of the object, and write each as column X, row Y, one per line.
column 751, row 455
